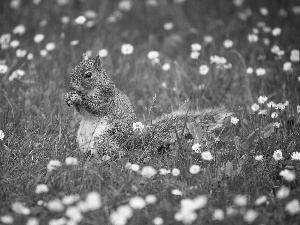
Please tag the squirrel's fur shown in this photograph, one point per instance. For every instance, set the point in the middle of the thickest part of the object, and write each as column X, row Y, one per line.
column 108, row 116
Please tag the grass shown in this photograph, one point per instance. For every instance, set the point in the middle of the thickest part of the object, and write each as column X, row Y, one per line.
column 38, row 126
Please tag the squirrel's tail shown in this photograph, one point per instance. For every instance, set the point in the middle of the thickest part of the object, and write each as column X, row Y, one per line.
column 208, row 119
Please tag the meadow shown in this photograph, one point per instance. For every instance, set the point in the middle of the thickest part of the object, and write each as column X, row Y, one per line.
column 242, row 54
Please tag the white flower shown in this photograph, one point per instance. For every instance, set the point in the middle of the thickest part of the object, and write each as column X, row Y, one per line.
column 17, row 74
column 250, row 215
column 295, row 155
column 74, row 42
column 14, row 43
column 258, row 157
column 194, row 55
column 238, row 2
column 65, row 19
column 32, row 221
column 295, row 55
column 153, row 3
column 206, row 155
column 277, row 124
column 249, row 70
column 280, row 106
column 148, row 171
column 60, row 221
column 287, row 67
column 91, row 14
column 240, row 200
column 264, row 11
column 277, row 155
column 127, row 49
column 150, row 199
column 196, row 147
column 164, row 171
column 262, row 112
column 271, row 104
column 262, row 199
column 93, row 201
column 20, row 53
column 70, row 199
column 228, row 43
column 260, row 72
column 203, row 69
column 20, row 29
column 55, row 205
column 117, row 219
column 41, row 188
column 125, row 211
column 262, row 99
column 231, row 211
column 138, row 126
column 74, row 214
column 137, row 202
column 50, row 46
column 196, row 47
column 5, row 38
column 255, row 107
column 293, row 207
column 252, row 38
column 153, row 56
column 135, row 167
column 166, row 66
column 234, row 120
column 219, row 60
column 80, row 20
column 125, row 5
column 194, row 169
column 175, row 172
column 169, row 26
column 296, row 9
column 71, row 161
column 7, row 219
column 29, row 56
column 2, row 135
column 218, row 214
column 158, row 221
column 19, row 208
column 53, row 165
column 288, row 175
column 283, row 192
column 276, row 31
column 208, row 39
column 186, row 216
column 43, row 52
column 3, row 70
column 176, row 192
column 103, row 53
column 274, row 115
column 199, row 202
column 38, row 38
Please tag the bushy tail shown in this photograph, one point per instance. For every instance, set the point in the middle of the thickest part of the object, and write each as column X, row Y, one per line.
column 209, row 119
column 165, row 129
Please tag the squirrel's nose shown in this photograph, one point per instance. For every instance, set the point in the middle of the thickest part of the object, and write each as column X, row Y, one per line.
column 75, row 87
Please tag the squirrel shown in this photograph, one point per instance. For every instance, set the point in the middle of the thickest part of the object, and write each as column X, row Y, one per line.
column 108, row 116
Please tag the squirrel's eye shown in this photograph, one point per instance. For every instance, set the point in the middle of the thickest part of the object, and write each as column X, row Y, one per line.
column 87, row 74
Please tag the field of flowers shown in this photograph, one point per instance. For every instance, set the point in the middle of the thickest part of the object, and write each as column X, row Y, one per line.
column 242, row 54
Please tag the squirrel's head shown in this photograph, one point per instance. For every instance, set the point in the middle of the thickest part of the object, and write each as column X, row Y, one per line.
column 88, row 75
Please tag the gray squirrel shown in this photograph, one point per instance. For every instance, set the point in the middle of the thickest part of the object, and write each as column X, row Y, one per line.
column 108, row 118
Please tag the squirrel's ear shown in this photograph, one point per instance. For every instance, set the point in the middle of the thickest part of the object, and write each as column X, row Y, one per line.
column 98, row 62
column 84, row 57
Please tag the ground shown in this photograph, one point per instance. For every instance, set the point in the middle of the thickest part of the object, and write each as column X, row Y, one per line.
column 240, row 54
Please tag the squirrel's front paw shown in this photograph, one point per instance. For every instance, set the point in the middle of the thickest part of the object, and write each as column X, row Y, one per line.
column 72, row 98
